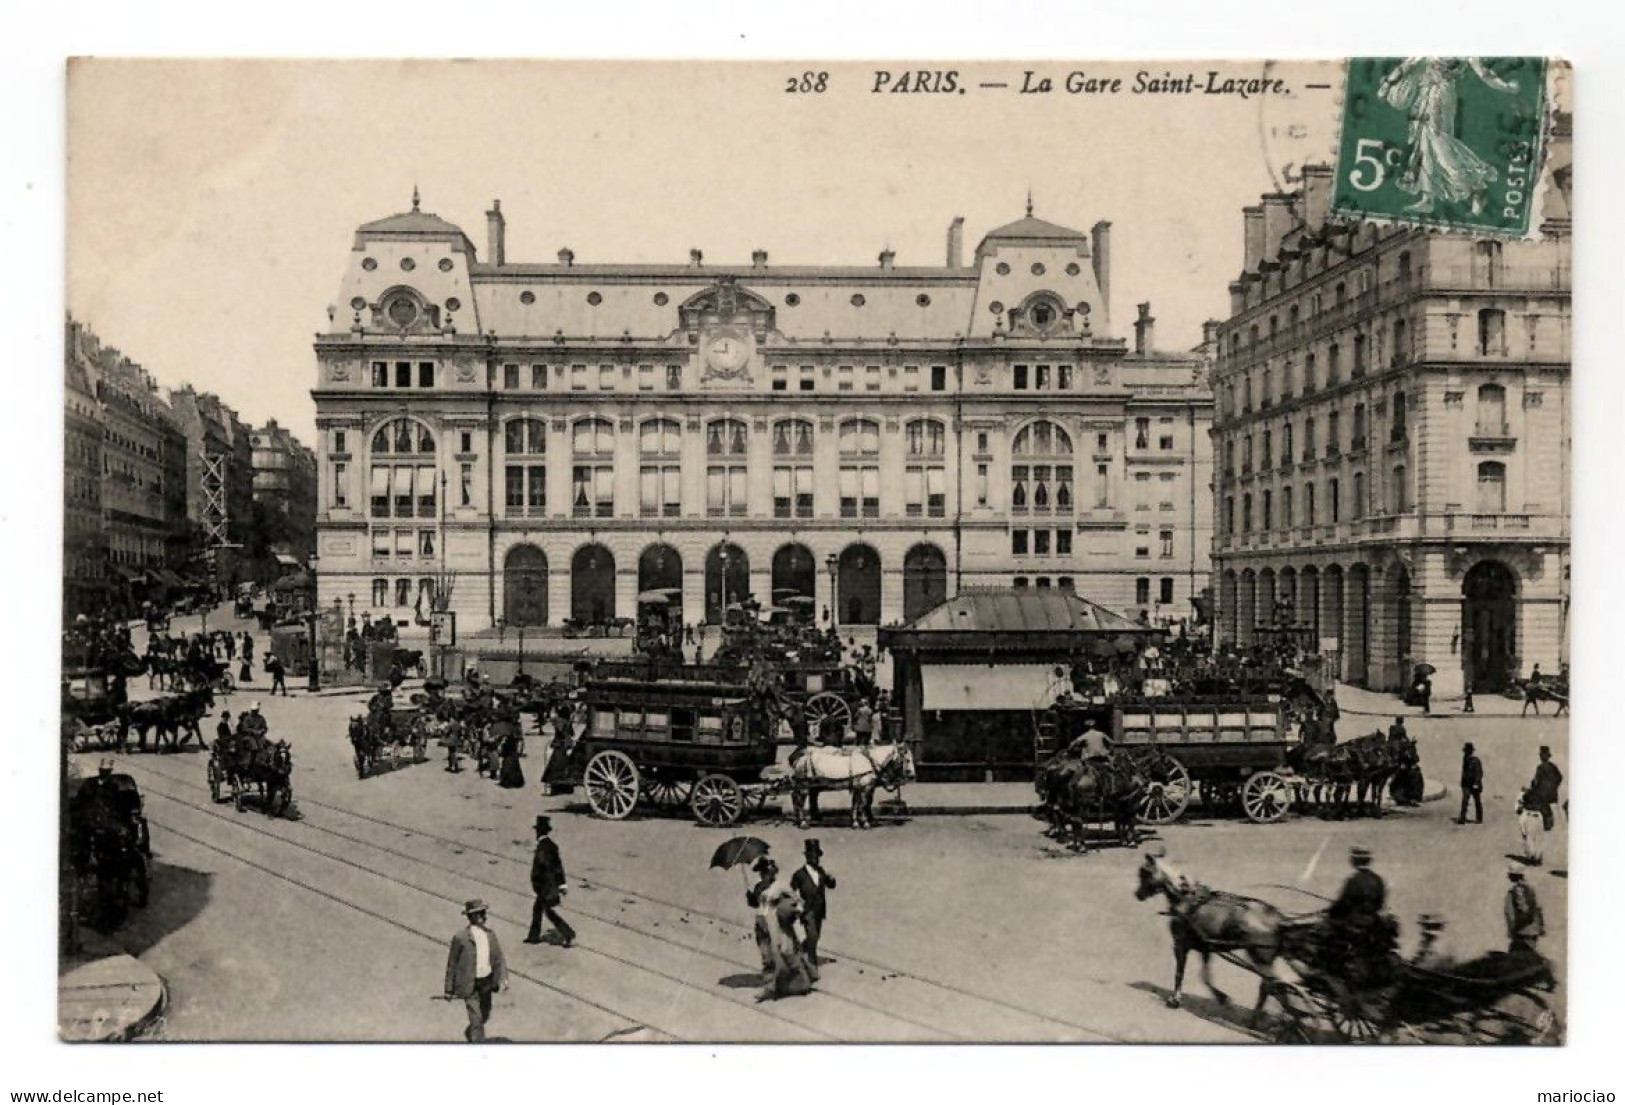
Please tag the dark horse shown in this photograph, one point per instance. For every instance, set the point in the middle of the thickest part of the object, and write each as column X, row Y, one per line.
column 1354, row 772
column 259, row 762
column 1248, row 932
column 1074, row 794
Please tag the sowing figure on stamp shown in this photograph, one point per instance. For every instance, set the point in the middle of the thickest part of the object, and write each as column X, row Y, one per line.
column 1439, row 167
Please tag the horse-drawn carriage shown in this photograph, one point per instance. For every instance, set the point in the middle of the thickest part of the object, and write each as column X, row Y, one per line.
column 376, row 735
column 240, row 763
column 110, row 845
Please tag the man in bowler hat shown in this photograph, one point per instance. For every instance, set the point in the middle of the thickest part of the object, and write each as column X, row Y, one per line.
column 475, row 970
column 547, row 880
column 813, row 883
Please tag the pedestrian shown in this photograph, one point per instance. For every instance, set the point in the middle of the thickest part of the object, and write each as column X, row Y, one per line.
column 766, row 871
column 1424, row 689
column 222, row 731
column 1531, row 693
column 863, row 724
column 512, row 774
column 780, row 908
column 1531, row 830
column 273, row 665
column 813, row 883
column 231, row 647
column 547, row 880
column 475, row 970
column 1396, row 731
column 1544, row 786
column 1525, row 922
column 1467, row 697
column 1472, row 784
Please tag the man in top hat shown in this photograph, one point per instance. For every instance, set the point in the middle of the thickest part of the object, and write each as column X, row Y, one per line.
column 1472, row 784
column 813, row 883
column 1543, row 787
column 547, row 880
column 475, row 970
column 1525, row 922
column 1354, row 920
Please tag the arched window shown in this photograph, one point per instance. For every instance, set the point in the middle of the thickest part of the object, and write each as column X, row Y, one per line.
column 660, row 437
column 860, row 468
column 1041, row 477
column 660, row 443
column 592, row 476
column 793, row 437
column 726, row 474
column 1492, row 487
column 524, row 484
column 925, row 437
column 403, row 471
column 792, row 468
column 925, row 479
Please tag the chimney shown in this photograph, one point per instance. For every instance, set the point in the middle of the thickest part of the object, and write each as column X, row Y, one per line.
column 1252, row 238
column 956, row 242
column 758, row 259
column 1278, row 223
column 696, row 258
column 567, row 256
column 887, row 256
column 1100, row 252
column 1317, row 196
column 1210, row 334
column 1142, row 330
column 496, row 234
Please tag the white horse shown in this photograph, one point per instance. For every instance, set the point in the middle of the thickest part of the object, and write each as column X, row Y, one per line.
column 857, row 769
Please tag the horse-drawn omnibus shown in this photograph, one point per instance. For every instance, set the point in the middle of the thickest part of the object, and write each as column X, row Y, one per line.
column 696, row 736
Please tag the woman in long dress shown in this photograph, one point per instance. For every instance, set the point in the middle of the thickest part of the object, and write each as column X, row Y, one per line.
column 778, row 909
column 513, row 776
column 1439, row 167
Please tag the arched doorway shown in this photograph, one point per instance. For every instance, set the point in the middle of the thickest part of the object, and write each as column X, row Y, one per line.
column 1286, row 598
column 727, row 579
column 592, row 585
column 1489, row 625
column 1309, row 601
column 524, row 586
column 660, row 568
column 795, row 576
column 1331, row 613
column 925, row 581
column 858, row 587
column 1357, row 627
column 1228, row 615
column 1247, row 608
column 1267, row 614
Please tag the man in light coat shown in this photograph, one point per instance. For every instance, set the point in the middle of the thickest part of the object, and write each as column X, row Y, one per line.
column 475, row 970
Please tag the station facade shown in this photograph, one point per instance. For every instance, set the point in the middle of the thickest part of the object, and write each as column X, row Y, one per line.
column 545, row 442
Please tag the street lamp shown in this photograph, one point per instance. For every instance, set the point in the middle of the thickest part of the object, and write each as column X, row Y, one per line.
column 832, row 563
column 315, row 676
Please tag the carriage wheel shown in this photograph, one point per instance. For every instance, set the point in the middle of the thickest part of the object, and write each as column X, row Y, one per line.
column 824, row 705
column 666, row 791
column 612, row 784
column 214, row 781
column 1265, row 797
column 1354, row 1022
column 237, row 794
column 140, row 881
column 107, row 737
column 1168, row 792
column 717, row 801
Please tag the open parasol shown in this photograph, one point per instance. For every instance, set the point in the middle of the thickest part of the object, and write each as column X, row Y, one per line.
column 740, row 852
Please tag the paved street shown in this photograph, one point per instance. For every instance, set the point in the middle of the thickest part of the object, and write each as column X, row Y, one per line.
column 331, row 924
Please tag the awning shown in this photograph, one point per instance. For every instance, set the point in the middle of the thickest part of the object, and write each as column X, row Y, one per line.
column 169, row 578
column 985, row 687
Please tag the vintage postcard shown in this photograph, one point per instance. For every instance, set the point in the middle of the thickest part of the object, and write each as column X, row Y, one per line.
column 767, row 552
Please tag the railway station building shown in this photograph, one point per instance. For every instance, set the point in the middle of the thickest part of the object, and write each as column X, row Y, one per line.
column 1392, row 440
column 547, row 440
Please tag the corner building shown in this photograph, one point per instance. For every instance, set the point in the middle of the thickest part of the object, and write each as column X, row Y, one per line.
column 554, row 439
column 1393, row 441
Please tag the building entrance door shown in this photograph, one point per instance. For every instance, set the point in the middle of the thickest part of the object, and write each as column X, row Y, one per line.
column 1489, row 626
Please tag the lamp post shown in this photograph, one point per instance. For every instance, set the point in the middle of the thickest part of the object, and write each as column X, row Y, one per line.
column 832, row 564
column 313, row 660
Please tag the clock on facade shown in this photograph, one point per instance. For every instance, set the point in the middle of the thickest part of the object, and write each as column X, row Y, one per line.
column 727, row 354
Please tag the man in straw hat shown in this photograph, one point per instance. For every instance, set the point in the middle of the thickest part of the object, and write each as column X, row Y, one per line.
column 547, row 880
column 475, row 969
column 1525, row 922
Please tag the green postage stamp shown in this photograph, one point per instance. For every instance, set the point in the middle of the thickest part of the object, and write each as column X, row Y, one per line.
column 1450, row 142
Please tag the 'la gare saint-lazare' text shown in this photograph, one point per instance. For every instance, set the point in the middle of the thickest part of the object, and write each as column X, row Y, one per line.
column 1214, row 82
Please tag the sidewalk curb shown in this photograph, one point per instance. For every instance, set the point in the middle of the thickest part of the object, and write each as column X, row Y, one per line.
column 137, row 1025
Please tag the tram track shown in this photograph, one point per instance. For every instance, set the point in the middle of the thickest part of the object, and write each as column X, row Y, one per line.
column 708, row 991
column 938, row 993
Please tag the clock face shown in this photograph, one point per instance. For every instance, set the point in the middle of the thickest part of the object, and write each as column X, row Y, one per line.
column 727, row 354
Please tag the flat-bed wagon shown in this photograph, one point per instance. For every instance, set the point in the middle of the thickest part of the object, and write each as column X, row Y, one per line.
column 697, row 741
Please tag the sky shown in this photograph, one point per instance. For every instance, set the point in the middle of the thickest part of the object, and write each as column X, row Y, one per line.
column 211, row 204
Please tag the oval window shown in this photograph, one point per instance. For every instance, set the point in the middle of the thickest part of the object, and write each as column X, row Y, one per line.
column 407, row 264
column 527, row 298
column 403, row 312
column 445, row 264
column 368, row 263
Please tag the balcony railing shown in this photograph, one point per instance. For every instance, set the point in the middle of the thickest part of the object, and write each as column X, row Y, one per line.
column 1332, row 451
